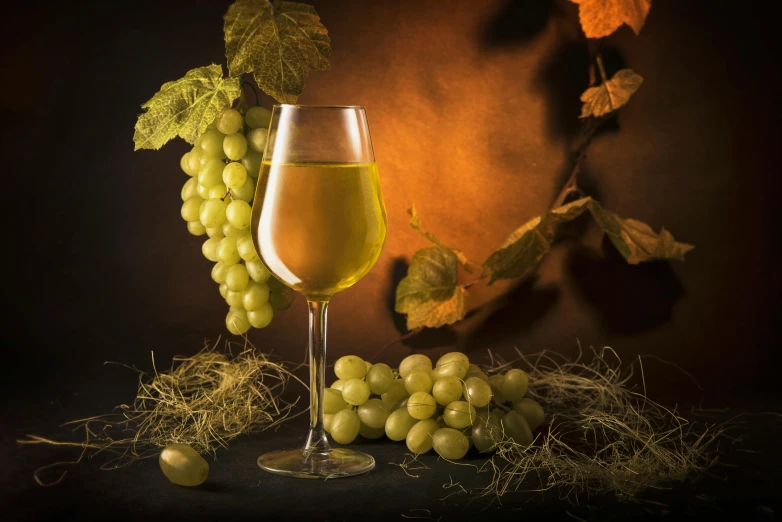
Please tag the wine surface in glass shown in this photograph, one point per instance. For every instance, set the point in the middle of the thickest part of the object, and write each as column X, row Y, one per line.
column 323, row 225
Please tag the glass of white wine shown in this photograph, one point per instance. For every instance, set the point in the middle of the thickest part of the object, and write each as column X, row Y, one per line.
column 319, row 224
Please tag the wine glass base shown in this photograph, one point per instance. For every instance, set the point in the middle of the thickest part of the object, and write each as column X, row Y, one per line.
column 337, row 463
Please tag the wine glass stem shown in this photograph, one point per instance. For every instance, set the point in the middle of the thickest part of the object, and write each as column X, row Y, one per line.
column 317, row 442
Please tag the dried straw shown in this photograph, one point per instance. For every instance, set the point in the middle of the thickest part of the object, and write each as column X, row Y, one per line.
column 205, row 400
column 602, row 435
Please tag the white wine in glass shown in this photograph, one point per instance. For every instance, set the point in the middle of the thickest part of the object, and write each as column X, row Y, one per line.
column 319, row 225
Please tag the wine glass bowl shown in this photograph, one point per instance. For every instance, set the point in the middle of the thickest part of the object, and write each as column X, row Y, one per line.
column 319, row 225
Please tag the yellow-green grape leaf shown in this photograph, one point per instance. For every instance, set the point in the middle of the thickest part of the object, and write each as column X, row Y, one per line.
column 415, row 222
column 185, row 107
column 527, row 245
column 635, row 240
column 601, row 18
column 429, row 294
column 279, row 42
column 609, row 96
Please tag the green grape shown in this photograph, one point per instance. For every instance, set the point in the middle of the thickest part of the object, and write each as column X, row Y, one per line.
column 350, row 367
column 237, row 278
column 453, row 356
column 246, row 248
column 212, row 125
column 394, row 393
column 485, row 431
column 256, row 140
column 217, row 191
column 182, row 465
column 333, row 401
column 421, row 405
column 418, row 380
column 380, row 378
column 453, row 367
column 436, row 374
column 328, row 418
column 226, row 251
column 234, row 146
column 215, row 232
column 196, row 228
column 228, row 230
column 374, row 413
column 419, row 438
column 495, row 381
column 223, row 290
column 399, row 423
column 191, row 207
column 246, row 192
column 447, row 390
column 189, row 189
column 211, row 173
column 474, row 371
column 337, row 385
column 209, row 249
column 401, row 403
column 516, row 427
column 252, row 163
column 258, row 117
column 345, row 426
column 411, row 362
column 369, row 365
column 234, row 175
column 212, row 212
column 450, row 444
column 218, row 272
column 195, row 160
column 184, row 163
column 239, row 214
column 459, row 414
column 236, row 321
column 258, row 272
column 255, row 295
column 355, row 392
column 531, row 411
column 212, row 143
column 370, row 433
column 514, row 385
column 261, row 317
column 234, row 299
column 229, row 121
column 477, row 391
column 280, row 296
column 202, row 191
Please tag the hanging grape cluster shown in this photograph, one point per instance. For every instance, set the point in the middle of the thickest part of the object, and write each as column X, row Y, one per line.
column 223, row 166
column 449, row 407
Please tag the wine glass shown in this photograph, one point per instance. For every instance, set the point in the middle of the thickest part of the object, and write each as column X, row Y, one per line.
column 319, row 225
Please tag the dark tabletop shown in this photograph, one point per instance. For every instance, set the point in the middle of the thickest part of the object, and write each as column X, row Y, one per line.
column 746, row 487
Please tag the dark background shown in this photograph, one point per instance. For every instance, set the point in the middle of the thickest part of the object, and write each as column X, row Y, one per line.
column 473, row 107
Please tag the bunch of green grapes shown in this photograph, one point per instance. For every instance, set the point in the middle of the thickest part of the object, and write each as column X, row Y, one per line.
column 449, row 407
column 217, row 201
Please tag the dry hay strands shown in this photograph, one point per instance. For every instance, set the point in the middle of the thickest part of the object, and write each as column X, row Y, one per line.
column 603, row 436
column 205, row 400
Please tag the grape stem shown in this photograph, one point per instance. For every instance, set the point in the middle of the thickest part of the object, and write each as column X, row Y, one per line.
column 227, row 193
column 244, row 82
column 408, row 335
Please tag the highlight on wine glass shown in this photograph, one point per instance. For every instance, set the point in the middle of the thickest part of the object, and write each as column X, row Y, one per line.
column 319, row 224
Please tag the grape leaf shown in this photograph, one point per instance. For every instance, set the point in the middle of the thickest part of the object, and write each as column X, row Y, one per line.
column 600, row 18
column 611, row 95
column 185, row 107
column 429, row 294
column 415, row 222
column 527, row 245
column 635, row 240
column 280, row 43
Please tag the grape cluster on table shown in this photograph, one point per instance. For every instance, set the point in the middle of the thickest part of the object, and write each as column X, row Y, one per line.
column 449, row 407
column 224, row 165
